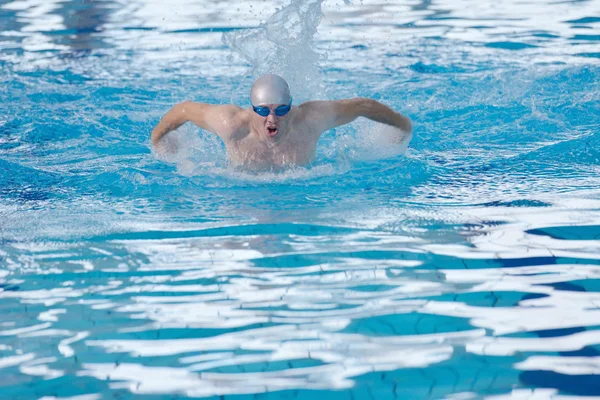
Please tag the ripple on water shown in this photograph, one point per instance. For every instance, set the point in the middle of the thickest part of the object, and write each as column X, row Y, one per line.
column 591, row 232
column 466, row 267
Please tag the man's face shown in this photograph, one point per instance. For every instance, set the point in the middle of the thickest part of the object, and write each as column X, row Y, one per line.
column 273, row 123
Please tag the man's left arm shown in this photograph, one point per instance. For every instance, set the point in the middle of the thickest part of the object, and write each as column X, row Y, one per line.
column 330, row 114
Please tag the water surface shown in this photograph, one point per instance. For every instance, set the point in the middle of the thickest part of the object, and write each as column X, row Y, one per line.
column 466, row 268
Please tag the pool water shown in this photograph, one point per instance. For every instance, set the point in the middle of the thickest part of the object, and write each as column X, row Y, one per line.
column 467, row 267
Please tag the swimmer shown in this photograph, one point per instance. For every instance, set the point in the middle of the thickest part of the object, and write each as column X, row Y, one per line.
column 272, row 133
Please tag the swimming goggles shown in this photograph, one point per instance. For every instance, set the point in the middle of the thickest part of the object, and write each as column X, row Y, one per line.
column 279, row 111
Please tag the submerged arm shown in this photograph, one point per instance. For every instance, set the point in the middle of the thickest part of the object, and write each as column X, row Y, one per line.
column 218, row 119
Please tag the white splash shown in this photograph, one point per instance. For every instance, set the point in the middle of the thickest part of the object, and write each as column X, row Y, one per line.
column 284, row 46
column 375, row 141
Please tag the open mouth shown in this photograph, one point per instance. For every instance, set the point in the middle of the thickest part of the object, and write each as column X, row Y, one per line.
column 272, row 131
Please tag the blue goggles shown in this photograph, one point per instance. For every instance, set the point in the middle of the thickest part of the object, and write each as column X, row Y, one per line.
column 279, row 111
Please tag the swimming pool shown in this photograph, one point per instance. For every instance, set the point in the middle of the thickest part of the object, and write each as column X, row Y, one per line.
column 467, row 268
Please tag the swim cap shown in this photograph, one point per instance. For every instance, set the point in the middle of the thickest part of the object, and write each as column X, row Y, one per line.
column 270, row 89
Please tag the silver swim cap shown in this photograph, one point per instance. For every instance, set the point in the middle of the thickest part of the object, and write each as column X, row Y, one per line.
column 270, row 89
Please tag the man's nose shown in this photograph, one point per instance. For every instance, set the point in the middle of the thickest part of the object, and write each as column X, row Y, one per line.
column 272, row 116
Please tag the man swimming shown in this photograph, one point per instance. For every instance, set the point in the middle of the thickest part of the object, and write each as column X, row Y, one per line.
column 272, row 134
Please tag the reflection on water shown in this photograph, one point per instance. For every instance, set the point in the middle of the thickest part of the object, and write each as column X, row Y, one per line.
column 83, row 25
column 545, row 32
column 70, row 28
column 468, row 269
column 270, row 307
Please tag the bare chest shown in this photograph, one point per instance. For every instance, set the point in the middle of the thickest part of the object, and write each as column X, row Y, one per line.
column 256, row 153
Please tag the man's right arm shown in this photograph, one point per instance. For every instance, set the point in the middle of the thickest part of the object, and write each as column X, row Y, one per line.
column 219, row 119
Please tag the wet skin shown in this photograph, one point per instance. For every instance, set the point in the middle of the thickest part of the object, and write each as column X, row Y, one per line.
column 274, row 142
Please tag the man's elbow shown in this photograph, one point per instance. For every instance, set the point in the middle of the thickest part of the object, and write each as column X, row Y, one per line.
column 184, row 104
column 366, row 107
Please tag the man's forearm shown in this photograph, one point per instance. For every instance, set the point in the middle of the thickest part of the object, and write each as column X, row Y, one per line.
column 162, row 129
column 376, row 111
column 171, row 121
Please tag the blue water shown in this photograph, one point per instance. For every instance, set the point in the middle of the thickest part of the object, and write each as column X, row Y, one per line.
column 467, row 268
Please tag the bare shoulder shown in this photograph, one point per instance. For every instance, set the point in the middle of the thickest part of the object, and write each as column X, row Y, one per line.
column 314, row 106
column 315, row 110
column 207, row 109
column 327, row 114
column 320, row 104
column 330, row 108
column 222, row 119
